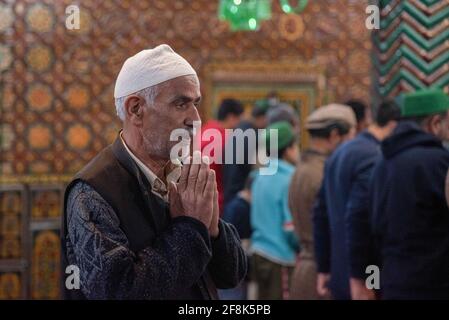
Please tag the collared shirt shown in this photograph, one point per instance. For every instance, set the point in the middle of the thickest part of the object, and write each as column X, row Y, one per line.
column 158, row 187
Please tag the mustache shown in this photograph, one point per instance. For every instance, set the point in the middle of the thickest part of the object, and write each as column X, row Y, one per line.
column 190, row 130
column 186, row 133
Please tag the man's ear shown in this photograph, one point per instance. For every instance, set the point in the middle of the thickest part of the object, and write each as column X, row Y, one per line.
column 434, row 124
column 134, row 108
column 392, row 125
column 334, row 136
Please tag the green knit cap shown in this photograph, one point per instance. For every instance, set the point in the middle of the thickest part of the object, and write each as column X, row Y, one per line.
column 424, row 102
column 261, row 106
column 285, row 134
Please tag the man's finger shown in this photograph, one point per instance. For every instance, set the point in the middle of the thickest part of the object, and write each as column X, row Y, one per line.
column 213, row 230
column 174, row 200
column 216, row 201
column 182, row 184
column 209, row 187
column 172, row 189
column 194, row 170
column 202, row 179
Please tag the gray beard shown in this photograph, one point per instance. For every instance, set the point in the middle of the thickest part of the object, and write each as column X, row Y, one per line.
column 153, row 145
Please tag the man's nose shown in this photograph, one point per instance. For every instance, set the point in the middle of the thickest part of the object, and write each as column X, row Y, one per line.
column 192, row 116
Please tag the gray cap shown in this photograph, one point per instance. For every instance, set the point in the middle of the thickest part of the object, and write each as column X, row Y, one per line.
column 325, row 116
column 282, row 112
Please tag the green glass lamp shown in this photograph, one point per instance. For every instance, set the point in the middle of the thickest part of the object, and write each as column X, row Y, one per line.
column 244, row 14
column 247, row 15
column 288, row 8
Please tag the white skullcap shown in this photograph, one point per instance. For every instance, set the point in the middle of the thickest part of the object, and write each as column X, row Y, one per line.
column 148, row 68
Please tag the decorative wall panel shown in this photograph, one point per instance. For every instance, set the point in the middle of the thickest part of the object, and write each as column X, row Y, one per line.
column 46, row 203
column 11, row 285
column 412, row 47
column 13, row 241
column 11, row 219
column 56, row 85
column 45, row 265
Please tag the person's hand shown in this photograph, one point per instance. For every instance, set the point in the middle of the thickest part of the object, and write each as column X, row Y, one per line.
column 176, row 209
column 359, row 291
column 322, row 284
column 193, row 196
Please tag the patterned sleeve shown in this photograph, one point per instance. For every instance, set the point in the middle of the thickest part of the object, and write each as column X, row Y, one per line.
column 110, row 270
column 229, row 264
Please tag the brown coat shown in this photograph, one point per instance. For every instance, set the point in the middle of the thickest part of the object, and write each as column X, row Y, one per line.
column 303, row 190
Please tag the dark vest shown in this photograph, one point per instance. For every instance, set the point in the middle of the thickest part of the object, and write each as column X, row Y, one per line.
column 143, row 215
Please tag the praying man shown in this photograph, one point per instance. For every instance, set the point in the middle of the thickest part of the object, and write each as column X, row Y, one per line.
column 137, row 224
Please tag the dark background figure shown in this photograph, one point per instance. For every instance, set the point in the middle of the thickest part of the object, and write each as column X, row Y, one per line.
column 273, row 242
column 265, row 112
column 284, row 112
column 359, row 240
column 328, row 126
column 229, row 115
column 362, row 113
column 447, row 188
column 410, row 216
column 342, row 205
column 235, row 174
column 237, row 212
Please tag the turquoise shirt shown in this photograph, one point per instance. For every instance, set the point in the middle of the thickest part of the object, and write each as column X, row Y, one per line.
column 273, row 235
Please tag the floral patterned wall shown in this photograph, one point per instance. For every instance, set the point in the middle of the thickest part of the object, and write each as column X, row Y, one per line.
column 56, row 85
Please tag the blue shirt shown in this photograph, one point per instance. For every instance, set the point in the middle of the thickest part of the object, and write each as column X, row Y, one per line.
column 271, row 220
column 341, row 214
column 237, row 213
